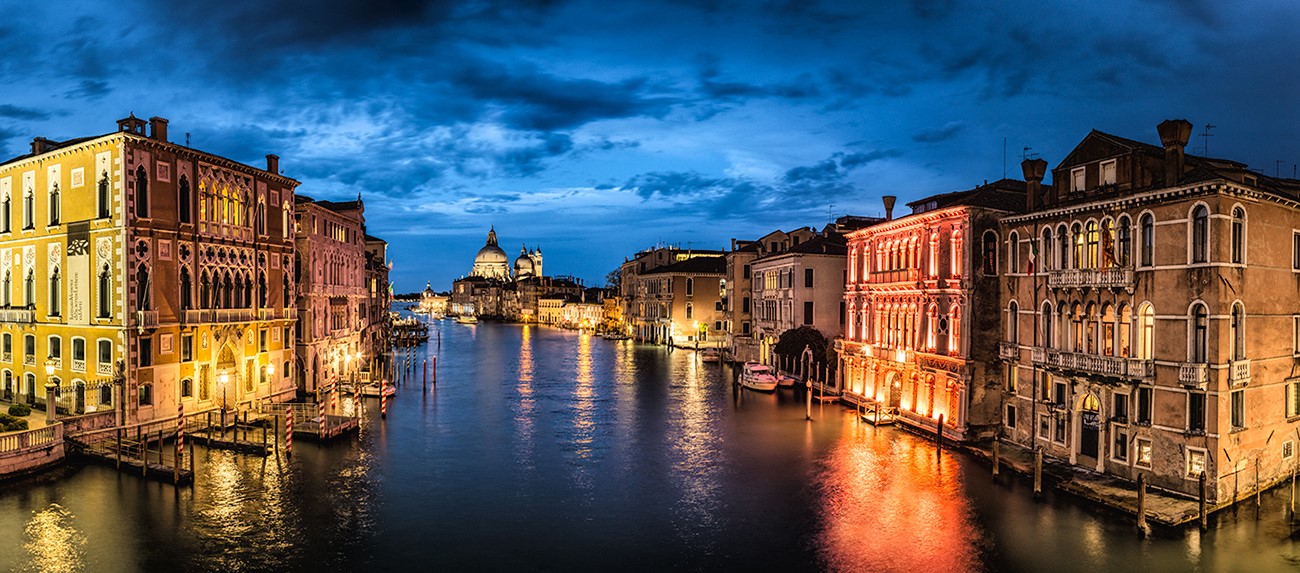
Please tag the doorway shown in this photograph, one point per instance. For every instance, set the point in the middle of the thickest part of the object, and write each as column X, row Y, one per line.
column 1090, row 426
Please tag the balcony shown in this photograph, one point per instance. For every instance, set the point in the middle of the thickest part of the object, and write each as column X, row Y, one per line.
column 1090, row 278
column 1193, row 374
column 232, row 315
column 7, row 357
column 1038, row 355
column 78, row 365
column 1096, row 364
column 265, row 314
column 146, row 318
column 1240, row 371
column 291, row 313
column 29, row 360
column 195, row 316
column 17, row 315
column 1009, row 351
column 895, row 276
column 104, row 369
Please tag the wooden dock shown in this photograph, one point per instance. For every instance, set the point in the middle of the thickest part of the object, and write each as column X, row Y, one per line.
column 307, row 423
column 145, row 449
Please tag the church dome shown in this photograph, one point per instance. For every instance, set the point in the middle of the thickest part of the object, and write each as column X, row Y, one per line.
column 490, row 253
column 523, row 264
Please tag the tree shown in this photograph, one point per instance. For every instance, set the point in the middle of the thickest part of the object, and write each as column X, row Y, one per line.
column 614, row 280
column 792, row 343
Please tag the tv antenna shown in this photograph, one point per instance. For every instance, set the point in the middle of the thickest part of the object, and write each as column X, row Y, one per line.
column 830, row 215
column 1205, row 139
column 1025, row 154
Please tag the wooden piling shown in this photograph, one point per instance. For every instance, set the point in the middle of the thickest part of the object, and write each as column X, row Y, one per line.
column 1257, row 488
column 119, row 449
column 938, row 439
column 808, row 391
column 1038, row 473
column 995, row 458
column 276, row 443
column 1201, row 479
column 1142, row 502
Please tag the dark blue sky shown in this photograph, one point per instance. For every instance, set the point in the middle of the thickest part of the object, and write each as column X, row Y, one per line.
column 595, row 129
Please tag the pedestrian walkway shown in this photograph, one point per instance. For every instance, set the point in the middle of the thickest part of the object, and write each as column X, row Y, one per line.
column 1118, row 494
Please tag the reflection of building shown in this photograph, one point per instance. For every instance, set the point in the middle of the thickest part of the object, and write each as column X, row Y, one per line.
column 917, row 338
column 1157, row 336
column 334, row 299
column 125, row 255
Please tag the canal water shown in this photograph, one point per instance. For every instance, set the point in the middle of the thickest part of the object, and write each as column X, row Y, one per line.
column 548, row 450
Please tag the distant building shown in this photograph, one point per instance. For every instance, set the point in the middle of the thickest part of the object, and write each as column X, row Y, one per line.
column 677, row 303
column 491, row 262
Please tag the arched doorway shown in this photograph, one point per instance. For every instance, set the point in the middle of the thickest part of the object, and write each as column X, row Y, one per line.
column 227, row 376
column 894, row 385
column 1089, row 426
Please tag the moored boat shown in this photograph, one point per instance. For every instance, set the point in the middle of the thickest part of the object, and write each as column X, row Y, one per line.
column 710, row 355
column 467, row 319
column 758, row 377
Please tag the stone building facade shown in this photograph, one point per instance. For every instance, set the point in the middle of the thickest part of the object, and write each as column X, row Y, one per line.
column 919, row 338
column 334, row 297
column 1160, row 332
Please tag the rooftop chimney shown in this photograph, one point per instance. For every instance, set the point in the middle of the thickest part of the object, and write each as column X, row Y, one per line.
column 158, row 128
column 889, row 206
column 273, row 163
column 1173, row 135
column 41, row 145
column 1034, row 170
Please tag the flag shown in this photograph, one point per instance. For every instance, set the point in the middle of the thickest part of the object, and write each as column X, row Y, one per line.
column 1107, row 247
column 1033, row 255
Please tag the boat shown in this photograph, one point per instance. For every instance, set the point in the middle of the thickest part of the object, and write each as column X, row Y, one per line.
column 757, row 376
column 710, row 355
column 467, row 319
column 372, row 389
column 787, row 380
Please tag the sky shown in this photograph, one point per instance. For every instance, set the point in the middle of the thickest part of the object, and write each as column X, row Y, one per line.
column 596, row 129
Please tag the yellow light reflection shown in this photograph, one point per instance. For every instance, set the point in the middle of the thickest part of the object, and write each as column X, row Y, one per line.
column 583, row 422
column 527, row 404
column 53, row 542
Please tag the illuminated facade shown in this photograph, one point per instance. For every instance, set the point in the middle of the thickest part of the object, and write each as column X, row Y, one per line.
column 131, row 259
column 1155, row 337
column 798, row 286
column 334, row 297
column 918, row 338
column 673, row 296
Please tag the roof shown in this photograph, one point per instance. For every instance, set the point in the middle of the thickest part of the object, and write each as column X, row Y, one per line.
column 1002, row 195
column 834, row 244
column 693, row 265
column 372, row 238
column 53, row 145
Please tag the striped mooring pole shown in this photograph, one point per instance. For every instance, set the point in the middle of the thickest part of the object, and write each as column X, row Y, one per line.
column 180, row 441
column 383, row 399
column 288, row 432
column 435, row 370
column 322, row 419
column 334, row 394
column 356, row 402
column 425, row 382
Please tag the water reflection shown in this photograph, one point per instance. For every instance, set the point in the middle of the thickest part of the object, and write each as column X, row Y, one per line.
column 583, row 403
column 54, row 545
column 889, row 505
column 695, row 442
column 525, row 402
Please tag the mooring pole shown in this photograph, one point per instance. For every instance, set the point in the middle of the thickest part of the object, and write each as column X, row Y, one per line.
column 119, row 451
column 1038, row 473
column 1257, row 488
column 1201, row 479
column 938, row 439
column 1142, row 503
column 995, row 458
column 808, row 390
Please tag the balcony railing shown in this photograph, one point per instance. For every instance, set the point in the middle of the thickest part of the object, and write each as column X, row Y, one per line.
column 1038, row 355
column 1109, row 366
column 896, row 276
column 29, row 360
column 1094, row 278
column 17, row 315
column 232, row 315
column 1240, row 371
column 193, row 316
column 291, row 313
column 104, row 369
column 265, row 313
column 146, row 318
column 78, row 365
column 1008, row 350
column 1193, row 374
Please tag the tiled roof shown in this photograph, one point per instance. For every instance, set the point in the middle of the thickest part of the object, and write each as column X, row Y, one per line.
column 698, row 265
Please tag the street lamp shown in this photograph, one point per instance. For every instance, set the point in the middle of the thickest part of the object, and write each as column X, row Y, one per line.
column 50, row 406
column 221, row 381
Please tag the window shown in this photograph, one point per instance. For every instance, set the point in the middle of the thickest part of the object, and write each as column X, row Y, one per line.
column 105, row 293
column 261, row 340
column 187, row 388
column 1295, row 249
column 29, row 289
column 1143, row 450
column 1079, row 257
column 990, row 253
column 8, row 343
column 1013, row 252
column 1195, row 462
column 29, row 209
column 1200, row 326
column 103, row 197
column 1126, row 242
column 1013, row 375
column 187, row 347
column 1046, row 318
column 746, row 271
column 1078, row 179
column 690, row 287
column 1119, row 451
column 142, row 286
column 1058, row 434
column 29, row 346
column 1013, row 322
column 146, row 351
column 1147, row 234
column 955, row 257
column 105, row 394
column 1195, row 412
column 1108, row 172
column 690, row 311
column 1044, row 427
column 1059, row 396
column 146, row 394
column 105, row 352
column 1238, row 236
column 1120, row 409
column 807, row 278
column 56, row 347
column 55, row 294
column 6, row 218
column 1011, row 416
column 141, row 193
column 54, row 204
column 1238, row 409
column 79, row 349
column 744, row 304
column 807, row 312
column 1092, row 245
column 1044, row 259
column 1288, row 449
column 1200, row 234
column 1237, row 327
column 186, row 200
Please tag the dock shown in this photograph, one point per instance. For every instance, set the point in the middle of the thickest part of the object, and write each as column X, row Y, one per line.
column 307, row 423
column 139, row 448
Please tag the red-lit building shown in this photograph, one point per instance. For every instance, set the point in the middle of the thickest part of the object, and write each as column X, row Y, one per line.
column 919, row 335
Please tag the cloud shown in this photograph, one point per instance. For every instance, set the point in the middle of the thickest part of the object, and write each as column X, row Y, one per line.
column 89, row 89
column 27, row 113
column 529, row 99
column 836, row 167
column 939, row 134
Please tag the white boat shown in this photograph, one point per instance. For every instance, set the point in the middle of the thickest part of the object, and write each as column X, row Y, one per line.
column 757, row 376
column 787, row 380
column 467, row 319
column 372, row 389
column 710, row 355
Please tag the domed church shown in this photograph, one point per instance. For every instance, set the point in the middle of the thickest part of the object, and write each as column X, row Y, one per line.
column 491, row 262
column 529, row 263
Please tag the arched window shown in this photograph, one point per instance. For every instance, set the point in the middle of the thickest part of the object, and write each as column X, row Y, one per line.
column 932, row 329
column 990, row 253
column 105, row 394
column 1076, row 321
column 141, row 193
column 1199, row 336
column 286, row 292
column 261, row 218
column 261, row 290
column 284, row 221
column 105, row 292
column 146, row 394
column 228, row 293
column 186, row 200
column 8, row 288
column 1090, row 328
column 1080, row 258
column 142, row 288
column 1044, row 259
column 954, row 330
column 102, row 196
column 29, row 289
column 955, row 260
column 1013, row 252
column 1013, row 322
column 187, row 289
column 1238, row 327
column 54, row 204
column 1239, row 236
column 1125, row 330
column 1147, row 232
column 934, row 253
column 56, row 347
column 1107, row 340
column 248, row 292
column 29, row 209
column 1092, row 238
column 205, row 291
column 1045, row 317
column 187, row 388
column 6, row 218
column 1125, row 231
column 1200, row 234
column 690, row 286
column 55, row 296
column 1063, row 250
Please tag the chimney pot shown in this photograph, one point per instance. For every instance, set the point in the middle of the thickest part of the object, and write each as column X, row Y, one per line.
column 158, row 128
column 273, row 163
column 1034, row 169
column 1174, row 134
column 889, row 206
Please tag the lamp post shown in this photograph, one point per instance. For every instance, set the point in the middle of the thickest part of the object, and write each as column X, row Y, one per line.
column 50, row 406
column 221, row 381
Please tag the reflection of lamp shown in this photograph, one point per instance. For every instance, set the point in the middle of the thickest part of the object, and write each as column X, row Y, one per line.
column 221, row 381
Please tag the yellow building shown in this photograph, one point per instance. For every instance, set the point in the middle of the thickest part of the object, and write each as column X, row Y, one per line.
column 139, row 275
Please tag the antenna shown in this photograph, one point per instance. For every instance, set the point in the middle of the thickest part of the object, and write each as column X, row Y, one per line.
column 1205, row 138
column 187, row 139
column 830, row 215
column 1024, row 154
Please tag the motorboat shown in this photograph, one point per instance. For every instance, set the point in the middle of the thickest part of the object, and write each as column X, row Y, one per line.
column 710, row 355
column 757, row 376
column 467, row 319
column 372, row 389
column 787, row 380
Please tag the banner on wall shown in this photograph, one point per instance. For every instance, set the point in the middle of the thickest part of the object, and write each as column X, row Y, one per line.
column 79, row 275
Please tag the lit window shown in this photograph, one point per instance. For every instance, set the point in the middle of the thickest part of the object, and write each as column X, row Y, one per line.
column 1143, row 451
